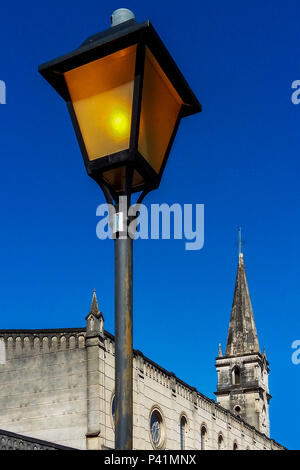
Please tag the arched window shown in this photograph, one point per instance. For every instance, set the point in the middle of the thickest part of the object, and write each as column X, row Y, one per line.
column 183, row 429
column 263, row 416
column 113, row 409
column 236, row 376
column 156, row 429
column 203, row 437
column 237, row 410
column 235, row 446
column 220, row 442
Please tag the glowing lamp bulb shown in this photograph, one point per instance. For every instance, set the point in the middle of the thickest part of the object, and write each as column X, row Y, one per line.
column 119, row 123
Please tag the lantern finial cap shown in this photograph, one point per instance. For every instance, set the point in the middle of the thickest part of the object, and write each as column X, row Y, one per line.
column 120, row 16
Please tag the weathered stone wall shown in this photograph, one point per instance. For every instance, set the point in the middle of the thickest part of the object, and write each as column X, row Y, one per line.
column 156, row 388
column 58, row 386
column 43, row 392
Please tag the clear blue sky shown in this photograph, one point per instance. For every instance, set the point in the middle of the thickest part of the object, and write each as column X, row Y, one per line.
column 240, row 157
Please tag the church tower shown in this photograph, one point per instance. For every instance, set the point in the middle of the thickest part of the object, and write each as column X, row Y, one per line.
column 243, row 370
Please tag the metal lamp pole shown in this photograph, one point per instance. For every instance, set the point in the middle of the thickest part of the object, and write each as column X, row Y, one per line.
column 123, row 331
column 123, row 312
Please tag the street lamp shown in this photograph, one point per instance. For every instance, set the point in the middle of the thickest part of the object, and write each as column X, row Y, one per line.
column 126, row 97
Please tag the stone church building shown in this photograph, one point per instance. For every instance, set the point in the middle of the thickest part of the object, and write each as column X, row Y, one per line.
column 58, row 386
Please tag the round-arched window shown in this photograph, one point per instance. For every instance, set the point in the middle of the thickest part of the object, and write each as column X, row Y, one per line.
column 203, row 437
column 220, row 442
column 236, row 376
column 183, row 429
column 113, row 409
column 263, row 416
column 237, row 410
column 156, row 428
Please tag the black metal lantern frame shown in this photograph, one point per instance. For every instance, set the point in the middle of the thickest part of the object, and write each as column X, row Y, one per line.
column 103, row 44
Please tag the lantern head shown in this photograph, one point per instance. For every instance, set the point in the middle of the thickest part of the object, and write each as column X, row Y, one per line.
column 126, row 97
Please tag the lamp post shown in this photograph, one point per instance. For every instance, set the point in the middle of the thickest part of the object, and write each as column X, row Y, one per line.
column 126, row 97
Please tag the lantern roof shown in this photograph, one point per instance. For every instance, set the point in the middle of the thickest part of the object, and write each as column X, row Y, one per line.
column 114, row 39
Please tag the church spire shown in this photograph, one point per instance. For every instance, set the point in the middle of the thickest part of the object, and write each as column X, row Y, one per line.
column 242, row 334
column 94, row 306
column 243, row 372
column 94, row 319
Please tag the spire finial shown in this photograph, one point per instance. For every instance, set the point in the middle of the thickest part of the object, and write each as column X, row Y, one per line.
column 220, row 354
column 240, row 240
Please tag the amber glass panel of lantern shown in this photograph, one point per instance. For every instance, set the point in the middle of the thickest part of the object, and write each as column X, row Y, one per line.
column 102, row 93
column 160, row 108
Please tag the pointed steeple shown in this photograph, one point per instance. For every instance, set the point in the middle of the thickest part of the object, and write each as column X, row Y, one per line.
column 242, row 334
column 94, row 306
column 94, row 319
column 243, row 372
